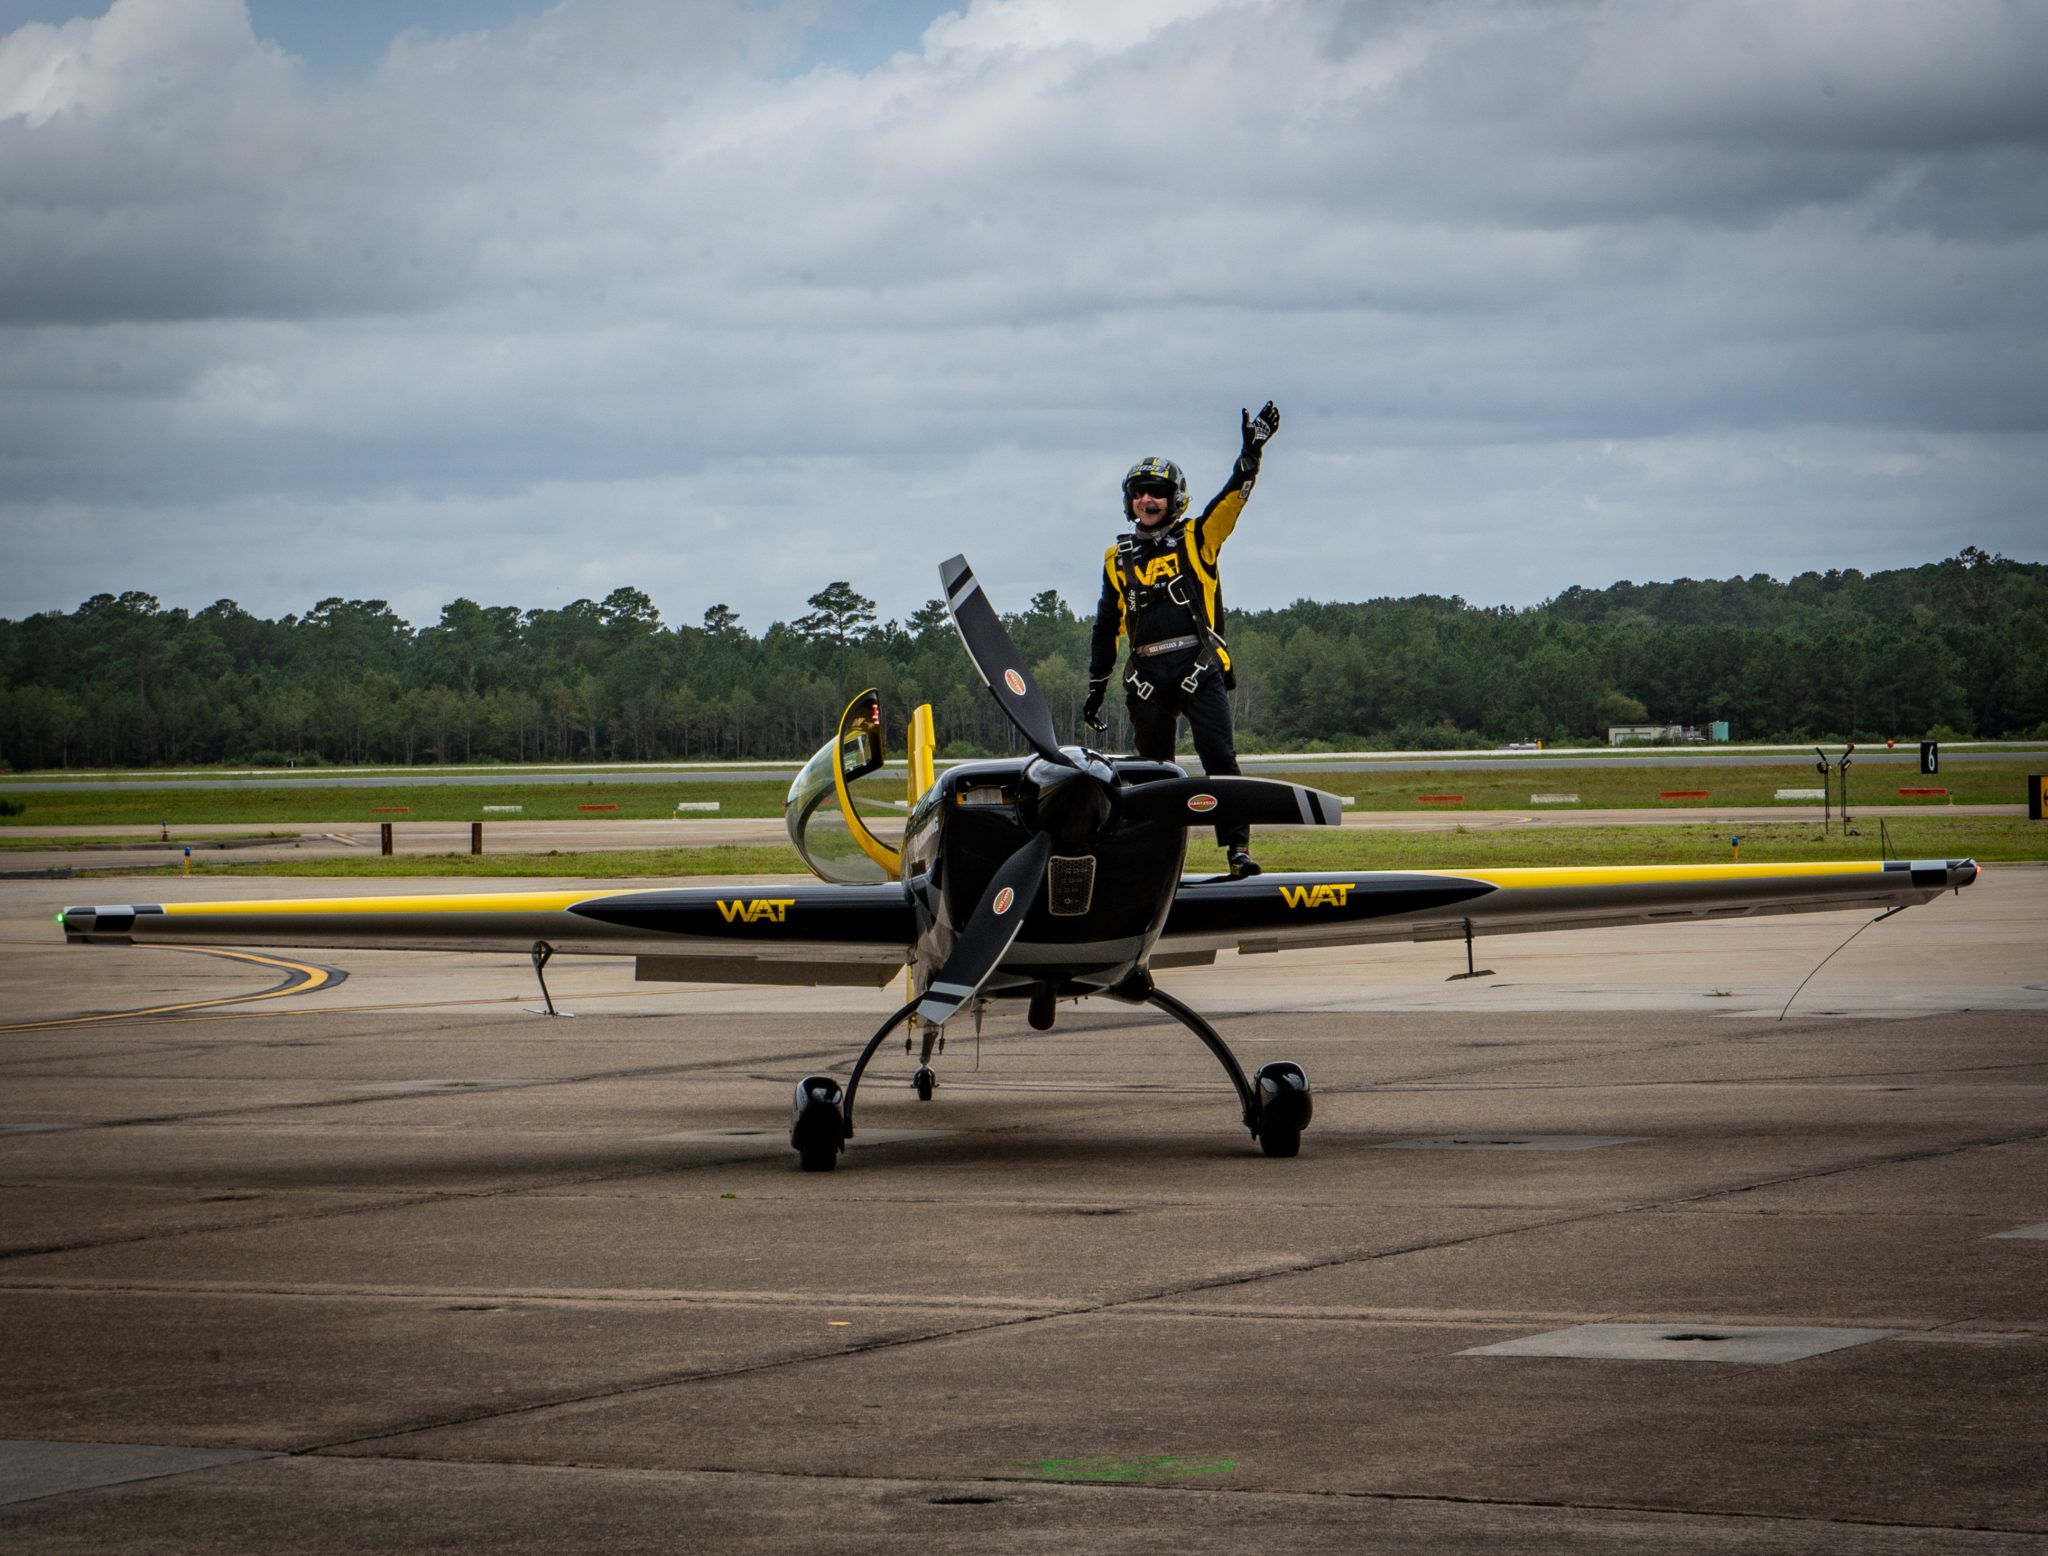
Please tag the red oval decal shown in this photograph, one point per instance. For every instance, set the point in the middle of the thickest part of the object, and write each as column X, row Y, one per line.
column 1201, row 802
column 1014, row 681
column 1002, row 903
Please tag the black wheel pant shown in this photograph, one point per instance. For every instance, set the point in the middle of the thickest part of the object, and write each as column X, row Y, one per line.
column 1155, row 719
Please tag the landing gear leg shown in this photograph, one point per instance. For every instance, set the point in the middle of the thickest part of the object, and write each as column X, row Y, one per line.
column 1276, row 1102
column 543, row 953
column 1188, row 1018
column 823, row 1121
column 926, row 1080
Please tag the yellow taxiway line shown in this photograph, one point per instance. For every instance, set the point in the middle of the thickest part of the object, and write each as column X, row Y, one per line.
column 308, row 979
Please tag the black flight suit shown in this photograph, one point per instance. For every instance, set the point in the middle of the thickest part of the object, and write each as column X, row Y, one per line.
column 1160, row 589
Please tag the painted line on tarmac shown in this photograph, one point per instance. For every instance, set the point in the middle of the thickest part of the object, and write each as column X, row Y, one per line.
column 480, row 1002
column 301, row 978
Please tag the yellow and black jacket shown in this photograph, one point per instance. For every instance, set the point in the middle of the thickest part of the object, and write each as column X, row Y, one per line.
column 1163, row 585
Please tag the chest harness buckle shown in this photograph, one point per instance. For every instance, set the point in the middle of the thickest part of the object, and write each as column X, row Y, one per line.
column 1140, row 597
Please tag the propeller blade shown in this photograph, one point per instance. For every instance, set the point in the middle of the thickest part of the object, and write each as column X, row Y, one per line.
column 996, row 660
column 997, row 918
column 1231, row 802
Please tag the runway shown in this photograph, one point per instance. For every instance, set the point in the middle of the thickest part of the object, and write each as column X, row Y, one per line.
column 116, row 848
column 1595, row 1253
column 1901, row 759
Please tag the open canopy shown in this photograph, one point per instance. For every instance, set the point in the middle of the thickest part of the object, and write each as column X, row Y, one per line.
column 820, row 812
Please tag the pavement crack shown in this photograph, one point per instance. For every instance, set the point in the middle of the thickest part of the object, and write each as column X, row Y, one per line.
column 659, row 1381
column 1888, row 1159
column 1156, row 1295
column 337, row 1212
column 280, row 1109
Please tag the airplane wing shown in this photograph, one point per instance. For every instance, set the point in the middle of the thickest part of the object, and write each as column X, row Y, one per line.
column 861, row 935
column 1331, row 908
column 800, row 935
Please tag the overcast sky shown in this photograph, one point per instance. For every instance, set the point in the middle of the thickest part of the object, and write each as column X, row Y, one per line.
column 474, row 298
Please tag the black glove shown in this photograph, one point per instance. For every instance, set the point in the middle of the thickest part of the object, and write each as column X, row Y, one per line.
column 1091, row 710
column 1256, row 430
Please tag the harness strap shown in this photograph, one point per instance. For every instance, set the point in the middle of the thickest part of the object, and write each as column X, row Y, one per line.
column 1136, row 598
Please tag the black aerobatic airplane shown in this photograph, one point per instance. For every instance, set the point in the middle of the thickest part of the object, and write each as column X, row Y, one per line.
column 1053, row 876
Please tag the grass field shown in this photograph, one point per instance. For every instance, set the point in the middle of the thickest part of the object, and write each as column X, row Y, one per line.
column 1874, row 779
column 260, row 805
column 599, row 864
column 1994, row 839
column 43, row 843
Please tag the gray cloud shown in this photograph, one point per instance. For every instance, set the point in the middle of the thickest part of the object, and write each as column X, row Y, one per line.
column 1551, row 293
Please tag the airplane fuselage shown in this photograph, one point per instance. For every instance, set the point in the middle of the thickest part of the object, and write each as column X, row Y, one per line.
column 1110, row 880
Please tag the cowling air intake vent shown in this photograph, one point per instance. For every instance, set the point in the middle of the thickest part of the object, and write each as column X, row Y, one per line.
column 1069, row 885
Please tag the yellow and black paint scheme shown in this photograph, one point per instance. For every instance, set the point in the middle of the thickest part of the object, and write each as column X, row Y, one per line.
column 923, row 745
column 650, row 919
column 813, row 933
column 1273, row 912
column 1154, row 588
column 799, row 935
column 863, row 750
column 1115, row 901
column 1056, row 875
column 824, row 824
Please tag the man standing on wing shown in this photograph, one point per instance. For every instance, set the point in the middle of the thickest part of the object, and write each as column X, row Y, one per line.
column 1161, row 589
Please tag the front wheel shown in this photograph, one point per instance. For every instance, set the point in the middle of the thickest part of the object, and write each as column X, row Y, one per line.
column 817, row 1130
column 1277, row 1141
column 1285, row 1107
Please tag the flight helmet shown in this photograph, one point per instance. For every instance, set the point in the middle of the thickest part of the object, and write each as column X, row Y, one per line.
column 1160, row 475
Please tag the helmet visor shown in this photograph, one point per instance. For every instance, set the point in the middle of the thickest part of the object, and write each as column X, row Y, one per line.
column 1153, row 487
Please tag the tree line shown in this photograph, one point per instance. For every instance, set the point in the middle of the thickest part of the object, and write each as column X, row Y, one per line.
column 1955, row 648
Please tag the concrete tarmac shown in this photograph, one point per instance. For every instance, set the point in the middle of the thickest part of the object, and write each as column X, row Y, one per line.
column 1592, row 1253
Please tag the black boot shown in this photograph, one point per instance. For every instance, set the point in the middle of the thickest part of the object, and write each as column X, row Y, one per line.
column 1242, row 864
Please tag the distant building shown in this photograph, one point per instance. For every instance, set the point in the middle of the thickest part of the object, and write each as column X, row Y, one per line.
column 1645, row 734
